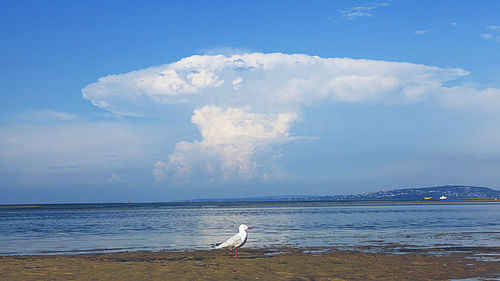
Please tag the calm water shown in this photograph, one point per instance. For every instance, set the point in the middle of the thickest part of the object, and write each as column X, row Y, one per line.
column 120, row 227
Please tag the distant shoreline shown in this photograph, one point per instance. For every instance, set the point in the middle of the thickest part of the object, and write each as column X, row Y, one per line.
column 262, row 203
column 445, row 193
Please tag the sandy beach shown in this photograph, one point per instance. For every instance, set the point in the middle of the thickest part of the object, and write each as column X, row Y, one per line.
column 258, row 264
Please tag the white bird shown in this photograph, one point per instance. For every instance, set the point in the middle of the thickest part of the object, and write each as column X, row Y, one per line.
column 235, row 242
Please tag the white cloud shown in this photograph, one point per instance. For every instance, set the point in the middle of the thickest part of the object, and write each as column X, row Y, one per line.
column 487, row 36
column 453, row 23
column 117, row 179
column 356, row 88
column 361, row 10
column 232, row 153
column 243, row 103
column 423, row 31
column 472, row 99
column 77, row 152
column 231, row 137
column 494, row 27
column 236, row 82
column 492, row 34
column 47, row 116
column 265, row 81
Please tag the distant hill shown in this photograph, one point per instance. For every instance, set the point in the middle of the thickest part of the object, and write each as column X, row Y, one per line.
column 451, row 192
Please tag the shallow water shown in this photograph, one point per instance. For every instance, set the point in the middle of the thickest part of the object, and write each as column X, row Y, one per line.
column 52, row 229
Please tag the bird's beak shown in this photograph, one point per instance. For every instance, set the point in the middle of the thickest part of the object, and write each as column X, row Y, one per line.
column 249, row 228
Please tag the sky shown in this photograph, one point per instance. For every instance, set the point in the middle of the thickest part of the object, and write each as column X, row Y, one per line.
column 152, row 101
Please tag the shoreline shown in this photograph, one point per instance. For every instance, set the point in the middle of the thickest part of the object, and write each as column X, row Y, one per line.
column 319, row 263
column 262, row 203
column 386, row 248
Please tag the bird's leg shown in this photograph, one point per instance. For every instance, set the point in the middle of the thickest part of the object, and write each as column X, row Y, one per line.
column 236, row 251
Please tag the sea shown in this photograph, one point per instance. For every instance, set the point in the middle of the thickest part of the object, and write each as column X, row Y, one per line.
column 100, row 228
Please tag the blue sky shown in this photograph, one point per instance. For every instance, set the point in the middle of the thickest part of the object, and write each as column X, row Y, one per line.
column 117, row 101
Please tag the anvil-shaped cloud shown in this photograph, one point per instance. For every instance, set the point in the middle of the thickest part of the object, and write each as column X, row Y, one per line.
column 271, row 79
column 245, row 102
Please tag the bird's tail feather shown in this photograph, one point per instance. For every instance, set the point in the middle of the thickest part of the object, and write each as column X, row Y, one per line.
column 213, row 245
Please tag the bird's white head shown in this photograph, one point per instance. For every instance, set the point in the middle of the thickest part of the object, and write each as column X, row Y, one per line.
column 244, row 227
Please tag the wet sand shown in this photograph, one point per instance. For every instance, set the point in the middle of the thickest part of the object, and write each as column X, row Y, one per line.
column 259, row 264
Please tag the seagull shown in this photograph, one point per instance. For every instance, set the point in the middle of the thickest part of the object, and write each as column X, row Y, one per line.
column 236, row 241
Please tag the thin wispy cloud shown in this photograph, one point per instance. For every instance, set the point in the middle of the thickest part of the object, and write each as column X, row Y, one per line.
column 422, row 31
column 492, row 34
column 453, row 23
column 117, row 179
column 486, row 36
column 47, row 116
column 366, row 10
column 494, row 27
column 39, row 151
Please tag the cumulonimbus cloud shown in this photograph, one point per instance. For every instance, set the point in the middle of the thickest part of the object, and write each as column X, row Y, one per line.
column 245, row 101
column 230, row 138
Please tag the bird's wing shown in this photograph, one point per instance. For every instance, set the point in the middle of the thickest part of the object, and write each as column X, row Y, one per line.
column 231, row 242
